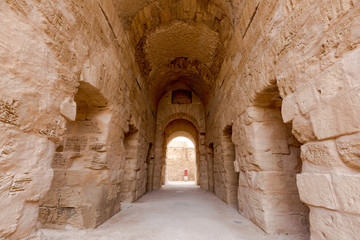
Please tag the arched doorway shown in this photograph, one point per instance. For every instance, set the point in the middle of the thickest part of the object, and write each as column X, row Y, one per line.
column 180, row 161
column 177, row 128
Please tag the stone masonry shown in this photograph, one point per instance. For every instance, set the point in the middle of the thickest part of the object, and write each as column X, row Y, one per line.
column 92, row 92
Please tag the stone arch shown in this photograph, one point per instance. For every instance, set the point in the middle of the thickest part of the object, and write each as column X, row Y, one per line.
column 167, row 113
column 181, row 115
column 268, row 159
column 80, row 164
column 180, row 127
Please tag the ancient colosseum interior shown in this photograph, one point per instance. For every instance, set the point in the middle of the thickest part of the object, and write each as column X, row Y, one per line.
column 92, row 91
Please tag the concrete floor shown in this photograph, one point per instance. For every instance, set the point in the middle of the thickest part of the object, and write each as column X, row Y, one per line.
column 178, row 211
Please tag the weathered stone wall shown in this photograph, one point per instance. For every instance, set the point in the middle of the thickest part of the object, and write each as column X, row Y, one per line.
column 239, row 58
column 80, row 168
column 179, row 158
column 222, row 168
column 309, row 49
column 134, row 177
column 268, row 159
column 47, row 47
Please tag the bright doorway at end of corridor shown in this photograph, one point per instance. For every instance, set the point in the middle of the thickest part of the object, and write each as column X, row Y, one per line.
column 181, row 161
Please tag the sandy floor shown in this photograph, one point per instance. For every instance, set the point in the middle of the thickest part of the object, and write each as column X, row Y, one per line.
column 178, row 211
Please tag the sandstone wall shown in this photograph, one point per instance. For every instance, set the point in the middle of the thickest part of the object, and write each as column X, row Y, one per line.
column 134, row 177
column 80, row 167
column 47, row 49
column 309, row 51
column 256, row 58
column 268, row 159
column 222, row 169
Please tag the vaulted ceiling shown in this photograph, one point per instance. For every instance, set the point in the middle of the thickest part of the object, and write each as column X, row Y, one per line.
column 178, row 43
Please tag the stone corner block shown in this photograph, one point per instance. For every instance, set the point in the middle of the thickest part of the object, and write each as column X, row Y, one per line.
column 68, row 110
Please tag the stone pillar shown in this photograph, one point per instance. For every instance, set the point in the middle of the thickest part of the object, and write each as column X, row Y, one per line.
column 268, row 159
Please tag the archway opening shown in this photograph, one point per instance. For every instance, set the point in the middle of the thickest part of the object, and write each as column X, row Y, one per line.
column 186, row 129
column 268, row 155
column 77, row 195
column 180, row 161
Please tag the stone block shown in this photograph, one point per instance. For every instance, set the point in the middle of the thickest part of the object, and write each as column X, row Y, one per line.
column 306, row 98
column 282, row 203
column 70, row 197
column 337, row 118
column 289, row 108
column 323, row 120
column 332, row 225
column 263, row 161
column 285, row 223
column 275, row 182
column 130, row 175
column 302, row 129
column 128, row 196
column 321, row 153
column 128, row 186
column 351, row 62
column 347, row 189
column 68, row 110
column 255, row 142
column 349, row 150
column 317, row 190
column 332, row 82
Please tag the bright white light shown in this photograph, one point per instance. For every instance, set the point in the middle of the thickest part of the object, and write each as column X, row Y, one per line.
column 188, row 142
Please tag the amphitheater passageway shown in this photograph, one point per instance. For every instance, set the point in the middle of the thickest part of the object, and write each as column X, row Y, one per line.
column 177, row 211
column 93, row 92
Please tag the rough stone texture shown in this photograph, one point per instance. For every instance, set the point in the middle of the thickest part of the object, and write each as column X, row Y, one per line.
column 250, row 66
column 268, row 159
column 46, row 49
column 81, row 167
column 349, row 149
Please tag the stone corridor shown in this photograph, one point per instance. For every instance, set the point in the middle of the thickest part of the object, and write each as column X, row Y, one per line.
column 177, row 211
column 93, row 91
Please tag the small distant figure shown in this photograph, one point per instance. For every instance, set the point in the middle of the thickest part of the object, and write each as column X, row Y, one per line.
column 186, row 174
